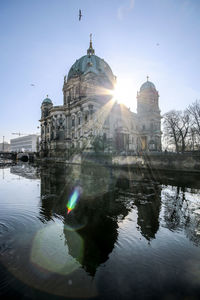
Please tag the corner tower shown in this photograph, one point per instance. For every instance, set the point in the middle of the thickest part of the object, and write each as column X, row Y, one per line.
column 46, row 107
column 149, row 118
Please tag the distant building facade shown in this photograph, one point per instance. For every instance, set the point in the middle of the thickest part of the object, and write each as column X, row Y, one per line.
column 25, row 143
column 89, row 118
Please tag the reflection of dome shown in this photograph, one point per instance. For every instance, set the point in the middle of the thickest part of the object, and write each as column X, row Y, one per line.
column 47, row 101
column 147, row 85
column 90, row 63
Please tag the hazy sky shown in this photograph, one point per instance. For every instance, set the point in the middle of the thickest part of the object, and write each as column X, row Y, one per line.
column 41, row 39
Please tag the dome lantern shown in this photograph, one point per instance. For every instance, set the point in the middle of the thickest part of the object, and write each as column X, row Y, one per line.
column 147, row 85
column 90, row 50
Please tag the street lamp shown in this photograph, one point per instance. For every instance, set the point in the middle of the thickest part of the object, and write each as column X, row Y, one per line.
column 3, row 145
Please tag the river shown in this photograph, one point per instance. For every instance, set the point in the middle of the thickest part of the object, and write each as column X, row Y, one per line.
column 85, row 232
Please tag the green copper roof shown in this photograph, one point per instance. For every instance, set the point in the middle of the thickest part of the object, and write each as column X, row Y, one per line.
column 90, row 63
column 47, row 100
column 147, row 85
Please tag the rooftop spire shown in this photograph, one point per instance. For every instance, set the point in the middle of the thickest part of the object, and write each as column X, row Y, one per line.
column 90, row 50
column 147, row 78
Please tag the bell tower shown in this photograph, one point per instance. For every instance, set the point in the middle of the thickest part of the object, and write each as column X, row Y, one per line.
column 149, row 118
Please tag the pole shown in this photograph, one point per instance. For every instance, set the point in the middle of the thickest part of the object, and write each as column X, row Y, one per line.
column 3, row 145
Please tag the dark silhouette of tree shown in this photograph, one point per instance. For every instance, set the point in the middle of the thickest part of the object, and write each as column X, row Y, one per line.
column 176, row 129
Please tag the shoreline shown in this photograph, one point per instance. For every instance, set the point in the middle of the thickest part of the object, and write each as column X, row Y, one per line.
column 150, row 163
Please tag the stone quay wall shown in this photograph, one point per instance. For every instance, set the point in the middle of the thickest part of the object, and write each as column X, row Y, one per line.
column 186, row 162
column 161, row 161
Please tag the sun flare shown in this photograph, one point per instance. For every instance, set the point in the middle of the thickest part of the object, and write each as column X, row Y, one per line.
column 124, row 93
column 118, row 93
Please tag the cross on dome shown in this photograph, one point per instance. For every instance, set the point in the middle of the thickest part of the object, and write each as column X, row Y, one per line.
column 90, row 51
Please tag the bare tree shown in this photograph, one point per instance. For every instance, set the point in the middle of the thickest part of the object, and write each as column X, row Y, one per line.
column 184, row 127
column 171, row 133
column 192, row 139
column 176, row 129
column 194, row 112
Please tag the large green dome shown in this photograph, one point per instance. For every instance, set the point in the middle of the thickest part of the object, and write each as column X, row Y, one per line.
column 90, row 63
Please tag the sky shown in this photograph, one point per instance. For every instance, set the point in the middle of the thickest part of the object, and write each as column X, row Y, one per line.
column 41, row 39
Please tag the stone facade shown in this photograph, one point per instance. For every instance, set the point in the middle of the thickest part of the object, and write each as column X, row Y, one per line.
column 90, row 120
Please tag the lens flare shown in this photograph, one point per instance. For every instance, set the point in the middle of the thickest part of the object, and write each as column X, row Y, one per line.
column 73, row 200
column 57, row 250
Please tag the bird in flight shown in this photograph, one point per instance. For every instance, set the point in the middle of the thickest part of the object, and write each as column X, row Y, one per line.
column 157, row 44
column 80, row 14
column 32, row 84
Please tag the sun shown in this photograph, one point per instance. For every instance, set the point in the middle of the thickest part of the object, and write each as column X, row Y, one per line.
column 118, row 93
column 124, row 93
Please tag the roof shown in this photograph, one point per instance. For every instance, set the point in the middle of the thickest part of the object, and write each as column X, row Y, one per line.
column 90, row 63
column 47, row 100
column 147, row 85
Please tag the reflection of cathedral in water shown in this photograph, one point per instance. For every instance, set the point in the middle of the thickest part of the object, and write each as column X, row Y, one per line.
column 97, row 214
column 148, row 206
column 146, row 197
column 95, row 217
column 107, row 197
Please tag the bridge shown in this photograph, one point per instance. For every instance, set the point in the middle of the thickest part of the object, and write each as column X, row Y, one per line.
column 23, row 156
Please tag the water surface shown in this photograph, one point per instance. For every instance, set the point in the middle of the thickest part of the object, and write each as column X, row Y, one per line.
column 131, row 234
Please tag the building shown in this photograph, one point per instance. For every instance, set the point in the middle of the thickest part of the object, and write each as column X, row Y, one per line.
column 24, row 144
column 90, row 120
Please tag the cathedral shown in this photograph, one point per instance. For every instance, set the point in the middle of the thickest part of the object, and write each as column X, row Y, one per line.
column 90, row 120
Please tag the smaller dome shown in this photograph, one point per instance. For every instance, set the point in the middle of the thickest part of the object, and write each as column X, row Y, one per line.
column 47, row 101
column 147, row 85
